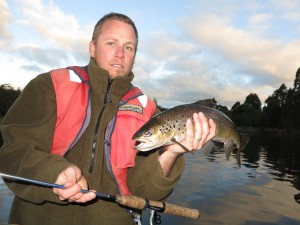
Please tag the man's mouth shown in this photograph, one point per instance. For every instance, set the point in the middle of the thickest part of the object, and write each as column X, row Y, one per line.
column 117, row 65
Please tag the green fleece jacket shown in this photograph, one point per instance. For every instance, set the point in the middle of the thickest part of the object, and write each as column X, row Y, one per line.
column 28, row 130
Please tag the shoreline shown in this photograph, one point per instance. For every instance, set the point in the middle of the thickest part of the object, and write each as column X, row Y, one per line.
column 268, row 130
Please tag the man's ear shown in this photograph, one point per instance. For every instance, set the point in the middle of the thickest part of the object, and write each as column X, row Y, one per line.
column 92, row 48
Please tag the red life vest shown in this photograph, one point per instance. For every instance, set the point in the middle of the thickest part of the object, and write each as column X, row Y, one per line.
column 73, row 116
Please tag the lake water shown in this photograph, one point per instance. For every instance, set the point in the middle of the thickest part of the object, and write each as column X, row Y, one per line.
column 264, row 190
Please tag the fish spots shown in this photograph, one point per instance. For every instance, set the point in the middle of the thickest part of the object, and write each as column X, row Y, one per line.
column 167, row 127
column 179, row 130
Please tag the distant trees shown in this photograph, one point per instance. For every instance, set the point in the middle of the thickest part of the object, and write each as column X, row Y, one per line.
column 280, row 110
column 7, row 97
column 248, row 113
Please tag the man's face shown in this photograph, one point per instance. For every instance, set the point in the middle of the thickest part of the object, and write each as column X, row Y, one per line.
column 115, row 48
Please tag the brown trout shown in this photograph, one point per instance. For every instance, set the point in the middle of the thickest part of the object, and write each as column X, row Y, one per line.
column 168, row 127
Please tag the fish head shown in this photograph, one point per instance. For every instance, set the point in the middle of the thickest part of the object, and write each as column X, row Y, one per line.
column 152, row 135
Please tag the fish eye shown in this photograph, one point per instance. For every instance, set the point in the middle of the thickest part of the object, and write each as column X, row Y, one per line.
column 147, row 133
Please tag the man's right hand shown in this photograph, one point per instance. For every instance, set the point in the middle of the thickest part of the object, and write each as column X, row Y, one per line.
column 73, row 181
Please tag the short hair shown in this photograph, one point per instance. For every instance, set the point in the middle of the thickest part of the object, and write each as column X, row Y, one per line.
column 110, row 17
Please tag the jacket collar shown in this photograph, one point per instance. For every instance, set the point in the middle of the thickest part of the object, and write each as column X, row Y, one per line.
column 99, row 80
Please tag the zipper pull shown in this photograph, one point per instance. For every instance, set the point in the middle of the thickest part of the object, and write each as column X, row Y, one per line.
column 107, row 96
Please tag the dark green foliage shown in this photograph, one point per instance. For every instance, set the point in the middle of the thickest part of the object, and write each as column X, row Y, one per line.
column 8, row 95
column 223, row 109
column 247, row 114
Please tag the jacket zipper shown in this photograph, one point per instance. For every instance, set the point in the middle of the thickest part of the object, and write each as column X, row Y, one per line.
column 95, row 137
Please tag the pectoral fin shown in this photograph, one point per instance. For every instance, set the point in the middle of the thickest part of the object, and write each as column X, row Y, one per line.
column 228, row 146
column 228, row 149
column 208, row 147
column 182, row 146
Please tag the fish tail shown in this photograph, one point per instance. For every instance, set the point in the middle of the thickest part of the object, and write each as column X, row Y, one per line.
column 229, row 145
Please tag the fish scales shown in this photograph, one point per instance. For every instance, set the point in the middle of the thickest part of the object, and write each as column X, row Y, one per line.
column 169, row 125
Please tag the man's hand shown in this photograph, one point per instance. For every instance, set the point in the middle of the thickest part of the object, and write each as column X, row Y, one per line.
column 73, row 181
column 205, row 130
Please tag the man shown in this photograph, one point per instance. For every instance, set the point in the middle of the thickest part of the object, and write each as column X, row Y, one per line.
column 32, row 127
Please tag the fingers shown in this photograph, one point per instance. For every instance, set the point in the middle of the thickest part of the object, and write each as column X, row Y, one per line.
column 189, row 130
column 203, row 131
column 198, row 132
column 212, row 129
column 83, row 183
column 73, row 181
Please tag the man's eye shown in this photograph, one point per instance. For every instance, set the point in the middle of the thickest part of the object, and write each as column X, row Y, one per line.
column 110, row 43
column 129, row 48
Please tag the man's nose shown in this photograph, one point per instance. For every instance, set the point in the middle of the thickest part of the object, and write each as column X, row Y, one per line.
column 120, row 52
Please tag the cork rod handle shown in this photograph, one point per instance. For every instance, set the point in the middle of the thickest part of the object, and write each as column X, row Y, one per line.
column 141, row 203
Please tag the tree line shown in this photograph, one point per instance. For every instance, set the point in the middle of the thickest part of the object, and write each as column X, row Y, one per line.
column 280, row 110
column 8, row 95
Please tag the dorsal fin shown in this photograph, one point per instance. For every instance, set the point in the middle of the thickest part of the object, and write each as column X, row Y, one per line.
column 207, row 102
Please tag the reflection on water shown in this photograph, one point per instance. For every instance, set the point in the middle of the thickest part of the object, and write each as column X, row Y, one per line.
column 6, row 198
column 264, row 191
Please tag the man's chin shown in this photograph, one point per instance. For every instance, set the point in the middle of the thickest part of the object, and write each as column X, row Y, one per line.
column 116, row 74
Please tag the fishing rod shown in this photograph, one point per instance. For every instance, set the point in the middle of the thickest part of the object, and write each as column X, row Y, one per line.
column 130, row 201
column 46, row 184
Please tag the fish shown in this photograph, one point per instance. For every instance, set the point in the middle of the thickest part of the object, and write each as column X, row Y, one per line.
column 168, row 127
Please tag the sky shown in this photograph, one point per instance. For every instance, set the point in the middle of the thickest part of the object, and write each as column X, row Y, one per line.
column 188, row 49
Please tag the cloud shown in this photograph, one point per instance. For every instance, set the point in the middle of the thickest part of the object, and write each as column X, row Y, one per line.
column 265, row 61
column 224, row 52
column 260, row 24
column 17, row 77
column 170, row 69
column 5, row 20
column 52, row 39
column 292, row 16
column 286, row 5
column 44, row 57
column 214, row 55
column 186, row 71
column 55, row 26
column 163, row 44
column 36, row 60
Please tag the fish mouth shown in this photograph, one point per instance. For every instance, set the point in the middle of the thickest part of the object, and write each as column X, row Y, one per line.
column 145, row 145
